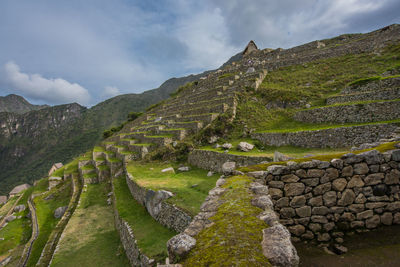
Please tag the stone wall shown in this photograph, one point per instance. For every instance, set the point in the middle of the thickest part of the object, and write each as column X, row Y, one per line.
column 333, row 138
column 162, row 211
column 379, row 111
column 128, row 240
column 213, row 161
column 373, row 86
column 321, row 200
column 387, row 94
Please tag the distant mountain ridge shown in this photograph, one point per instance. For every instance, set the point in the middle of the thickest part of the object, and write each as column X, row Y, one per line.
column 33, row 137
column 17, row 104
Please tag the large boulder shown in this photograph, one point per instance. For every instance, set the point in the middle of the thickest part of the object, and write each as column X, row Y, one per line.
column 179, row 245
column 10, row 218
column 228, row 167
column 154, row 199
column 59, row 212
column 278, row 248
column 244, row 146
column 19, row 208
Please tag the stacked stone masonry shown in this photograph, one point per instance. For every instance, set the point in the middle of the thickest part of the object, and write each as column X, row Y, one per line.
column 333, row 138
column 154, row 201
column 213, row 161
column 322, row 200
column 354, row 113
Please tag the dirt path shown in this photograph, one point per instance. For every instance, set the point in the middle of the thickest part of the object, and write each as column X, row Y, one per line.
column 376, row 248
column 10, row 211
column 35, row 234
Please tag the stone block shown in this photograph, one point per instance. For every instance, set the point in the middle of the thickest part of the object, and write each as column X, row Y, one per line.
column 329, row 198
column 365, row 215
column 290, row 178
column 321, row 189
column 355, row 181
column 387, row 218
column 347, row 171
column 304, row 211
column 294, row 189
column 392, row 177
column 315, row 201
column 347, row 198
column 361, row 168
column 373, row 222
column 298, row 201
column 374, row 178
column 339, row 184
column 315, row 173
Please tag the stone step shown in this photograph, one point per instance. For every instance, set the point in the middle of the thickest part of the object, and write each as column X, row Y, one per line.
column 204, row 96
column 190, row 126
column 126, row 141
column 387, row 94
column 157, row 140
column 178, row 134
column 357, row 113
column 127, row 156
column 206, row 118
column 141, row 149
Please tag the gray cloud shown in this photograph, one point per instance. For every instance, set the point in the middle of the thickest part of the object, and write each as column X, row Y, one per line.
column 52, row 90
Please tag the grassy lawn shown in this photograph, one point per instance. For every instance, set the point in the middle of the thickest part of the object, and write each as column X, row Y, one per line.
column 150, row 235
column 190, row 188
column 91, row 233
column 6, row 207
column 235, row 237
column 57, row 197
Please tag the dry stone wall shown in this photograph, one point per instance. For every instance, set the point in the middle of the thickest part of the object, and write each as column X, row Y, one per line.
column 373, row 86
column 213, row 161
column 333, row 138
column 356, row 113
column 387, row 94
column 321, row 200
column 154, row 201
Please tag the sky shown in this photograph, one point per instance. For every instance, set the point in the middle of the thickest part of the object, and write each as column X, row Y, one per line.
column 85, row 51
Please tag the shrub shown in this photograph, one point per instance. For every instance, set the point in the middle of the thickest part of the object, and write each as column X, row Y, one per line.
column 134, row 115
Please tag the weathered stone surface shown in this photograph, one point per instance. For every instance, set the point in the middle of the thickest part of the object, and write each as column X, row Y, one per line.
column 323, row 237
column 263, row 202
column 356, row 208
column 320, row 210
column 392, row 177
column 311, row 181
column 337, row 209
column 290, row 178
column 321, row 189
column 323, row 165
column 380, row 190
column 278, row 248
column 315, row 173
column 330, row 175
column 257, row 174
column 227, row 146
column 276, row 184
column 339, row 184
column 347, row 171
column 297, row 230
column 244, row 146
column 294, row 189
column 303, row 211
column 287, row 213
column 374, row 178
column 387, row 218
column 396, row 155
column 394, row 206
column 329, row 198
column 170, row 169
column 319, row 219
column 315, row 227
column 360, row 199
column 329, row 226
column 276, row 169
column 337, row 163
column 228, row 167
column 301, row 173
column 278, row 156
column 282, row 202
column 275, row 193
column 356, row 181
column 269, row 217
column 315, row 201
column 373, row 222
column 10, row 218
column 351, row 158
column 259, row 189
column 365, row 215
column 298, row 201
column 307, row 235
column 361, row 168
column 348, row 216
column 59, row 212
column 396, row 218
column 184, row 169
column 375, row 205
column 357, row 224
column 347, row 198
column 19, row 208
column 179, row 245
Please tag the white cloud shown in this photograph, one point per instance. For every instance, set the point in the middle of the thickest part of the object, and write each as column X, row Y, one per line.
column 110, row 91
column 49, row 90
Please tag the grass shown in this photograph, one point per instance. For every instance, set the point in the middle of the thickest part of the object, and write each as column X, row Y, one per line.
column 60, row 196
column 364, row 81
column 98, row 149
column 189, row 188
column 325, row 157
column 90, row 175
column 235, row 237
column 6, row 207
column 59, row 172
column 313, row 83
column 90, row 231
column 88, row 167
column 150, row 235
column 72, row 167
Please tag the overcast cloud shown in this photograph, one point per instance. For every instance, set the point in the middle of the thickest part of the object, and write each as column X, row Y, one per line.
column 86, row 51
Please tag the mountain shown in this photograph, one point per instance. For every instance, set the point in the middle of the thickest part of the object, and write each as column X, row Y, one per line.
column 17, row 104
column 31, row 141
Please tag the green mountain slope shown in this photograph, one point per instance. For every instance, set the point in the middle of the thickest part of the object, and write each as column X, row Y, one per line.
column 17, row 104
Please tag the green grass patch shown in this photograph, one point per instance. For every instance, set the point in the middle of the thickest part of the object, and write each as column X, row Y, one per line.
column 103, row 167
column 114, row 160
column 90, row 231
column 90, row 175
column 226, row 75
column 6, row 207
column 189, row 188
column 59, row 172
column 88, row 167
column 72, row 167
column 41, row 186
column 151, row 236
column 100, row 159
column 235, row 237
column 57, row 197
column 98, row 149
